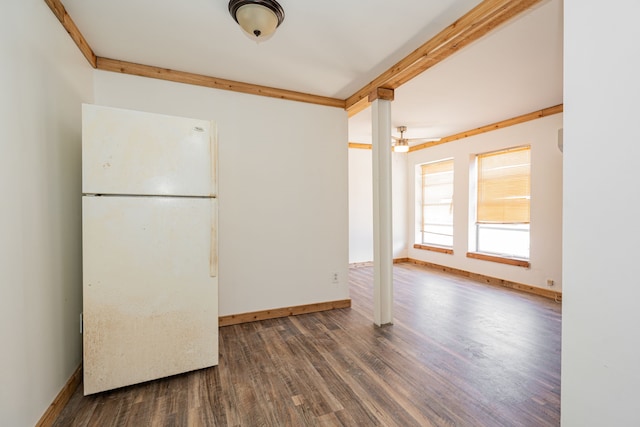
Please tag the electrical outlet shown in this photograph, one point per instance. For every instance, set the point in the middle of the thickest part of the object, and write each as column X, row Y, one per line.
column 334, row 278
column 550, row 282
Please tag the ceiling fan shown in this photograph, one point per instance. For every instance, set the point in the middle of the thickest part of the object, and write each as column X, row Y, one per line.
column 401, row 144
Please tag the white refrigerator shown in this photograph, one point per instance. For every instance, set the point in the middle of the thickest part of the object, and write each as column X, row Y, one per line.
column 149, row 222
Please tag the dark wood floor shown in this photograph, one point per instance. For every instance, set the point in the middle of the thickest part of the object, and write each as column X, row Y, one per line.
column 459, row 354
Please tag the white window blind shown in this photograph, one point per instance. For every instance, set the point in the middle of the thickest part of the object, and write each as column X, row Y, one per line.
column 504, row 187
column 437, row 203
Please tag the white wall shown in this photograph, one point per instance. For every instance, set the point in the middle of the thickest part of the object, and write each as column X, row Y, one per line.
column 400, row 205
column 546, row 201
column 283, row 189
column 43, row 80
column 600, row 341
column 361, row 205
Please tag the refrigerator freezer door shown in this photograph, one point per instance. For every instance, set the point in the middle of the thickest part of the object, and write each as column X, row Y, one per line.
column 134, row 152
column 150, row 302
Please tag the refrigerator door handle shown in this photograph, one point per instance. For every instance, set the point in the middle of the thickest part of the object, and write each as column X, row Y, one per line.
column 213, row 256
column 213, row 151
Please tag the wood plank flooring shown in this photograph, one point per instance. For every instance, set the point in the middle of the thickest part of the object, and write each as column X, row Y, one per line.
column 458, row 354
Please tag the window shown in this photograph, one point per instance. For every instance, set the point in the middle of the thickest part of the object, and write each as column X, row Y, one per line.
column 503, row 203
column 437, row 204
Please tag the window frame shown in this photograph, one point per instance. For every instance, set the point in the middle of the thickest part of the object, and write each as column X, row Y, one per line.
column 475, row 226
column 420, row 207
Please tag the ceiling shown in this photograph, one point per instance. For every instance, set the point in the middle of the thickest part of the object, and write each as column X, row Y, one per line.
column 333, row 48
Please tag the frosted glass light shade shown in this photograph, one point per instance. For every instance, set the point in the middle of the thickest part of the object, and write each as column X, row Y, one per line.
column 401, row 147
column 258, row 18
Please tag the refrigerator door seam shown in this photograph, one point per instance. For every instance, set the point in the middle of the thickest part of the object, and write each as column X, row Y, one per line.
column 153, row 196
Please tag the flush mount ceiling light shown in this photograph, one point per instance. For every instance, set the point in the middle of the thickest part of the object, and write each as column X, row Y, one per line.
column 258, row 18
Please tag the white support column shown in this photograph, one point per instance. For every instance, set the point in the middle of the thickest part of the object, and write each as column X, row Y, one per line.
column 382, row 211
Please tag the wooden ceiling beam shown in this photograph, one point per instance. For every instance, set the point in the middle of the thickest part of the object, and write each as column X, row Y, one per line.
column 213, row 82
column 61, row 13
column 472, row 26
column 360, row 145
column 488, row 128
column 494, row 126
column 381, row 93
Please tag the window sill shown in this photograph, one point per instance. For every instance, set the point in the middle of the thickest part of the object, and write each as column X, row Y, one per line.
column 518, row 262
column 434, row 249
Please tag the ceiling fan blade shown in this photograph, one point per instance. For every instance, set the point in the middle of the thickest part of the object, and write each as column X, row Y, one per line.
column 403, row 129
column 424, row 139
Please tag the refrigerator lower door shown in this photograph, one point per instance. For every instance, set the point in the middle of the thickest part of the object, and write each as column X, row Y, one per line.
column 150, row 294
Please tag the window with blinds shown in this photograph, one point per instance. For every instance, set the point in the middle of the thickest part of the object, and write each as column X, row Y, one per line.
column 437, row 203
column 503, row 202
